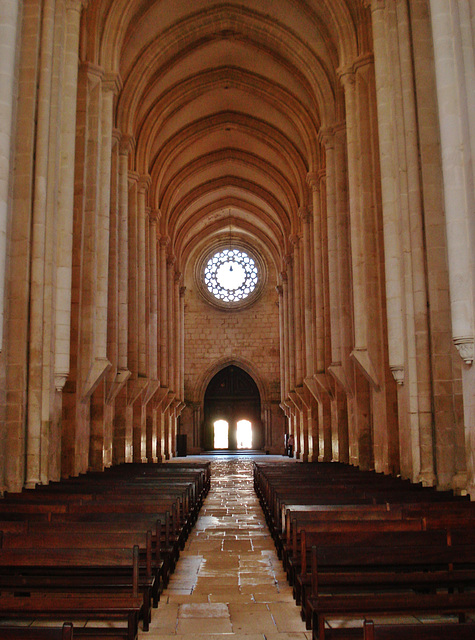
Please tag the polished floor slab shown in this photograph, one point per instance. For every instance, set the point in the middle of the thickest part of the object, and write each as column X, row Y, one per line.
column 229, row 581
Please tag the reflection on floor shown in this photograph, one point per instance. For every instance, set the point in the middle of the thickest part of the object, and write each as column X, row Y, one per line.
column 229, row 580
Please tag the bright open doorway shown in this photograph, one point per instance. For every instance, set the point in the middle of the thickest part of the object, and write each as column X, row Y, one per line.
column 221, row 434
column 244, row 434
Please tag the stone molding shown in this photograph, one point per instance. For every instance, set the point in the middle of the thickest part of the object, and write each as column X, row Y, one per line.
column 127, row 144
column 313, row 180
column 398, row 374
column 465, row 347
column 112, row 81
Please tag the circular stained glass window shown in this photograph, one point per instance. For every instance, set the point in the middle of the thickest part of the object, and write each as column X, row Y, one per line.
column 231, row 275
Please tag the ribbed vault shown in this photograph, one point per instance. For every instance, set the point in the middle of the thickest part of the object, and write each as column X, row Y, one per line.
column 224, row 103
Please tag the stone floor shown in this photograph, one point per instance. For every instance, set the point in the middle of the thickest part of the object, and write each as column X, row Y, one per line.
column 229, row 581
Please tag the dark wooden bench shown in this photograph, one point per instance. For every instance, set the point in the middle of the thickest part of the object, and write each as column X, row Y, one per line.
column 85, row 607
column 299, row 565
column 427, row 631
column 77, row 572
column 150, row 564
column 20, row 632
column 364, row 581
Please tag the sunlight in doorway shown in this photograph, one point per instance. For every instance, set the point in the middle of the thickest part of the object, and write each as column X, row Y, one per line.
column 244, row 434
column 221, row 439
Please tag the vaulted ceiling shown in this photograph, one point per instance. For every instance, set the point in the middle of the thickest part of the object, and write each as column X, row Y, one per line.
column 224, row 102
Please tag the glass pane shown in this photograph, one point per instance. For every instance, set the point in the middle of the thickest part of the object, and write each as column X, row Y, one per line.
column 221, row 440
column 244, row 434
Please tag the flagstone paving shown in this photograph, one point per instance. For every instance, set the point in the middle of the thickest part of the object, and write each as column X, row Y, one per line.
column 228, row 581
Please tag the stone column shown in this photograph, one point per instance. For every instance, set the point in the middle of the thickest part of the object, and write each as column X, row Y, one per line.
column 9, row 29
column 143, row 185
column 153, row 296
column 389, row 176
column 171, row 324
column 285, row 308
column 66, row 194
column 124, row 150
column 182, row 342
column 282, row 343
column 313, row 181
column 177, row 340
column 357, row 226
column 38, row 250
column 289, row 290
column 297, row 310
column 452, row 27
column 110, row 86
column 196, row 424
column 308, row 305
column 164, row 380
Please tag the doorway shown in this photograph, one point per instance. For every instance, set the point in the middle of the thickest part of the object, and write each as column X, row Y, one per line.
column 232, row 412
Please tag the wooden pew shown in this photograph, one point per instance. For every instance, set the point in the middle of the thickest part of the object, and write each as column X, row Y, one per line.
column 19, row 632
column 150, row 564
column 426, row 631
column 366, row 581
column 85, row 607
column 386, row 539
column 74, row 583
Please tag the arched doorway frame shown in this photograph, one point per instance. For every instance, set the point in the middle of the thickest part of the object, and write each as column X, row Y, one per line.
column 219, row 365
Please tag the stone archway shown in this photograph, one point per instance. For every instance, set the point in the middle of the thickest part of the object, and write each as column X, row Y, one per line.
column 232, row 395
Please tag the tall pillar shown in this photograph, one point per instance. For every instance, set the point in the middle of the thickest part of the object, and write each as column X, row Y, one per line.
column 66, row 194
column 282, row 344
column 177, row 341
column 153, row 296
column 171, row 321
column 289, row 289
column 164, row 380
column 124, row 150
column 452, row 26
column 308, row 305
column 363, row 303
column 297, row 311
column 182, row 343
column 38, row 255
column 9, row 29
column 143, row 185
column 196, row 424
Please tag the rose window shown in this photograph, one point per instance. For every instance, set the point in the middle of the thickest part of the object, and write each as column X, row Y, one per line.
column 231, row 275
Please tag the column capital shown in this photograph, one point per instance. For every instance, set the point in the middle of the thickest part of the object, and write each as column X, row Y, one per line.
column 76, row 5
column 144, row 183
column 154, row 215
column 375, row 5
column 93, row 72
column 347, row 76
column 178, row 275
column 133, row 177
column 326, row 137
column 280, row 290
column 305, row 214
column 112, row 82
column 171, row 259
column 465, row 347
column 284, row 277
column 116, row 137
column 313, row 180
column 164, row 241
column 127, row 144
column 182, row 291
column 294, row 239
column 398, row 374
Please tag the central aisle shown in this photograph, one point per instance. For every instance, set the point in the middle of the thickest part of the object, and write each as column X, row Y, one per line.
column 229, row 581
